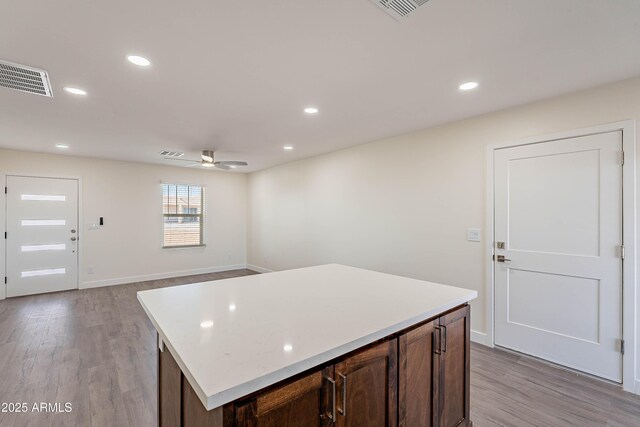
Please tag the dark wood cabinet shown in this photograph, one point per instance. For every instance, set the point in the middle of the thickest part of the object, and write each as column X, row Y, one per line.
column 359, row 391
column 169, row 391
column 303, row 402
column 433, row 379
column 452, row 368
column 367, row 387
column 416, row 378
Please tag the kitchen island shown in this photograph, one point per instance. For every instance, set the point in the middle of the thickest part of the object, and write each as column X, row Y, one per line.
column 313, row 346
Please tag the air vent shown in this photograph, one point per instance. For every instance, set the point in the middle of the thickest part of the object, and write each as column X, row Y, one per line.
column 399, row 8
column 25, row 79
column 166, row 153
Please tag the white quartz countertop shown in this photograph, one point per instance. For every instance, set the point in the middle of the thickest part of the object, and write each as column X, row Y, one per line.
column 236, row 336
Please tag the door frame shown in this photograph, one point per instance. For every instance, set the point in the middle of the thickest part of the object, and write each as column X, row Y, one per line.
column 629, row 285
column 3, row 224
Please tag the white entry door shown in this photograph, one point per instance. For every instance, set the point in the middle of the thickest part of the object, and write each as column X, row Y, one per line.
column 558, row 211
column 42, row 235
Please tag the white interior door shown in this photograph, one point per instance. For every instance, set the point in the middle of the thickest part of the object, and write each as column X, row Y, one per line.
column 42, row 233
column 558, row 210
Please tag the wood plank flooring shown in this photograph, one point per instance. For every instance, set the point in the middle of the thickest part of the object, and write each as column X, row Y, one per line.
column 96, row 349
column 508, row 389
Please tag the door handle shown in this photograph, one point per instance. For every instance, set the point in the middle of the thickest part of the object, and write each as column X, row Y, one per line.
column 73, row 239
column 343, row 410
column 332, row 416
column 501, row 258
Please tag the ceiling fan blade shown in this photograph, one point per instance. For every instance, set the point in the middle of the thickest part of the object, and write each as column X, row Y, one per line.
column 182, row 160
column 231, row 163
column 223, row 167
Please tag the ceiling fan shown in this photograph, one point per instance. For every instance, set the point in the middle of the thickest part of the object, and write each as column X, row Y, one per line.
column 208, row 161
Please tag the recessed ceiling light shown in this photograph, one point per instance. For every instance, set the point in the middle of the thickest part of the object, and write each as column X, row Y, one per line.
column 468, row 85
column 75, row 90
column 139, row 60
column 206, row 324
column 232, row 307
column 288, row 147
column 311, row 110
column 62, row 146
column 287, row 347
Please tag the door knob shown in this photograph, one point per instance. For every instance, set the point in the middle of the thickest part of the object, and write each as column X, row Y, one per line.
column 73, row 231
column 73, row 239
column 501, row 258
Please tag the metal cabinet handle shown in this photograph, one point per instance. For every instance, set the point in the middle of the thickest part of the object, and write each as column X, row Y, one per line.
column 332, row 416
column 343, row 410
column 437, row 340
column 443, row 335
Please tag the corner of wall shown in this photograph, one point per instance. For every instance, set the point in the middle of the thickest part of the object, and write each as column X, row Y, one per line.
column 479, row 337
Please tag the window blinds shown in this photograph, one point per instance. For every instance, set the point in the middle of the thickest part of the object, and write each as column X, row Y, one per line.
column 182, row 209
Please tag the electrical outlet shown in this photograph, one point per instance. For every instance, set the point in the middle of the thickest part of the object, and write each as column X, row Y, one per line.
column 473, row 234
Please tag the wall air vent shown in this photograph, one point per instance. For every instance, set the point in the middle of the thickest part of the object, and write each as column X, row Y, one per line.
column 166, row 153
column 399, row 9
column 25, row 79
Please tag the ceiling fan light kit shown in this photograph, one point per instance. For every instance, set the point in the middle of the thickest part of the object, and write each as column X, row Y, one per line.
column 207, row 156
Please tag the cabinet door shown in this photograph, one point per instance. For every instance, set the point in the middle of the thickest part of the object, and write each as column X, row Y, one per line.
column 367, row 387
column 303, row 402
column 453, row 402
column 415, row 377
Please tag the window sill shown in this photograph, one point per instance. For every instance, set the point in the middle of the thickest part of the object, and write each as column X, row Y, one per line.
column 184, row 246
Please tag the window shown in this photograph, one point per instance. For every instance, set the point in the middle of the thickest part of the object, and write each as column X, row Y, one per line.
column 182, row 209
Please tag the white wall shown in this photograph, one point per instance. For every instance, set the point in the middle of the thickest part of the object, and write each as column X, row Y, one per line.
column 402, row 205
column 128, row 196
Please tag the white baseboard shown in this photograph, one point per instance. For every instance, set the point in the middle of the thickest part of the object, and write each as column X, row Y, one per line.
column 158, row 276
column 258, row 268
column 479, row 337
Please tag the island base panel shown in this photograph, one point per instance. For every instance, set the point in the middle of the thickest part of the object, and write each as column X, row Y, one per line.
column 179, row 405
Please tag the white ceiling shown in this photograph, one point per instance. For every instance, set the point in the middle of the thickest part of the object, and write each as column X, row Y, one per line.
column 236, row 75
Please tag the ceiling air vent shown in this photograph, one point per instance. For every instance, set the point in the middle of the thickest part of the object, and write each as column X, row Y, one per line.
column 25, row 79
column 166, row 153
column 399, row 8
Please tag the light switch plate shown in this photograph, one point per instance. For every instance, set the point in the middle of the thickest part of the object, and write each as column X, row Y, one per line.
column 473, row 234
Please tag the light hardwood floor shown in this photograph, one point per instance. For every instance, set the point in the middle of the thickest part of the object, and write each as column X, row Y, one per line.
column 96, row 349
